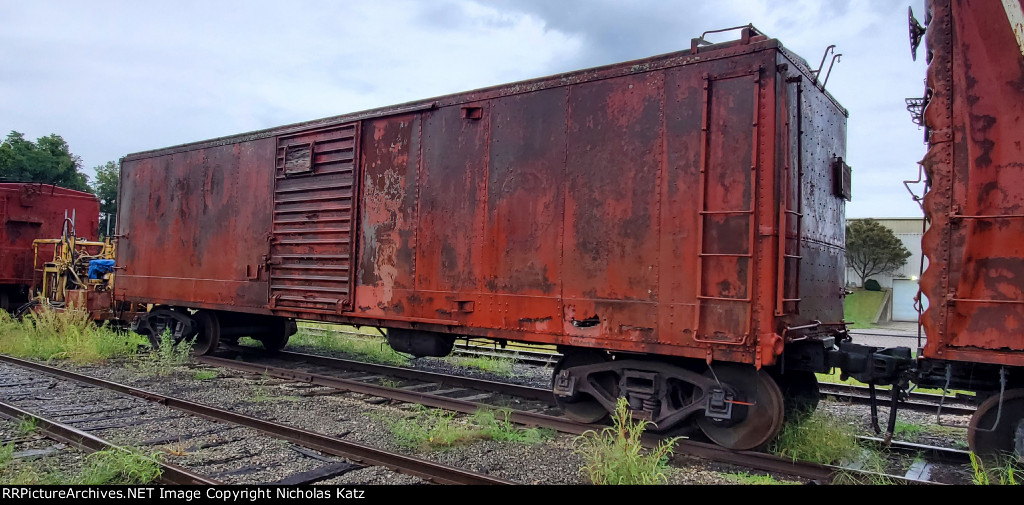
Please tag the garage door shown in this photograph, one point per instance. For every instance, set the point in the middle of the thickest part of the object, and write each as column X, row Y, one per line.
column 903, row 293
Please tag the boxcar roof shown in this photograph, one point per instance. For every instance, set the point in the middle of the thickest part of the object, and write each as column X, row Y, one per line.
column 51, row 189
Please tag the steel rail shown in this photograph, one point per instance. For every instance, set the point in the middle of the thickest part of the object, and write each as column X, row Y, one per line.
column 169, row 473
column 935, row 453
column 751, row 459
column 409, row 465
column 408, row 373
column 859, row 395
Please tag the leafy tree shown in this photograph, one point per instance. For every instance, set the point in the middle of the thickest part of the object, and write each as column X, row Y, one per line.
column 47, row 160
column 105, row 188
column 872, row 249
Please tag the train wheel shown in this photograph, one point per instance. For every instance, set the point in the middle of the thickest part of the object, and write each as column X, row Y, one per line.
column 580, row 407
column 988, row 439
column 800, row 393
column 277, row 335
column 207, row 336
column 759, row 416
column 163, row 324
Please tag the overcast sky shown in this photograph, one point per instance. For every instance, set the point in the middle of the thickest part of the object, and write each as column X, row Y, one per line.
column 114, row 78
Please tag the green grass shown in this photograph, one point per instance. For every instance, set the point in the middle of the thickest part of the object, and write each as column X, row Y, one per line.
column 861, row 307
column 833, row 377
column 867, row 460
column 204, row 375
column 368, row 348
column 431, row 429
column 163, row 360
column 373, row 348
column 28, row 475
column 260, row 392
column 755, row 479
column 114, row 466
column 26, row 426
column 435, row 429
column 817, row 438
column 615, row 455
column 495, row 425
column 910, row 431
column 1004, row 472
column 6, row 456
column 67, row 335
column 820, row 438
column 504, row 367
column 343, row 328
column 21, row 473
column 905, row 429
column 119, row 466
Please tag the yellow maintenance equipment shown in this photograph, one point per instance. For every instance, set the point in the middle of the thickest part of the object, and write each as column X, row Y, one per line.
column 79, row 274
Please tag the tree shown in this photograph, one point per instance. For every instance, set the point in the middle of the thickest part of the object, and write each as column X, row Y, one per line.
column 47, row 160
column 105, row 188
column 873, row 249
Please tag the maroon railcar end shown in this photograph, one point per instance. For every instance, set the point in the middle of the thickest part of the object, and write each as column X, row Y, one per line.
column 30, row 211
column 687, row 207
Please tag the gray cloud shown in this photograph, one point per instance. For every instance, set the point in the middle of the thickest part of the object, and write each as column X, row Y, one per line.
column 119, row 77
column 614, row 31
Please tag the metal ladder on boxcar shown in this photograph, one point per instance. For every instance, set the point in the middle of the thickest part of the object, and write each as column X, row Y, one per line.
column 788, row 260
column 704, row 297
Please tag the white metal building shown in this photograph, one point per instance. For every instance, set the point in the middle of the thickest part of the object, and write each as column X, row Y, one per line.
column 903, row 282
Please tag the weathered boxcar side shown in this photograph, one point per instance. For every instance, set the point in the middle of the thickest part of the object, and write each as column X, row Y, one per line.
column 688, row 205
column 974, row 120
column 30, row 211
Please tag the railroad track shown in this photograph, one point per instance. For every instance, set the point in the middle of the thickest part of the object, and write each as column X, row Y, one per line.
column 84, row 441
column 462, row 394
column 96, row 405
column 921, row 402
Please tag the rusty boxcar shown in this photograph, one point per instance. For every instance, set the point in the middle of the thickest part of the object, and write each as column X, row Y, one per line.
column 30, row 211
column 973, row 114
column 675, row 224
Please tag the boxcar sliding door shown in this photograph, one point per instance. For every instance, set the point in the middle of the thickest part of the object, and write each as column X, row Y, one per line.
column 312, row 242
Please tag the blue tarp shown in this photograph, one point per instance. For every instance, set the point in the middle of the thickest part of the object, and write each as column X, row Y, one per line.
column 99, row 267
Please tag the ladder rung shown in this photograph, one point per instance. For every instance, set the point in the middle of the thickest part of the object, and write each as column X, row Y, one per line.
column 706, row 212
column 719, row 298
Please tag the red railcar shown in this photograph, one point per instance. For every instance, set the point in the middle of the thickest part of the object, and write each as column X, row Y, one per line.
column 974, row 120
column 683, row 214
column 30, row 211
